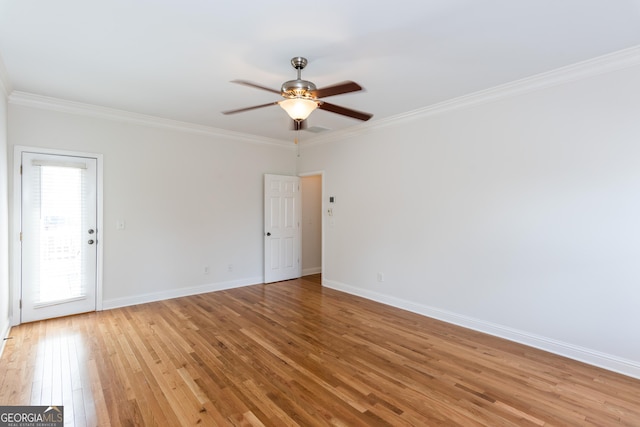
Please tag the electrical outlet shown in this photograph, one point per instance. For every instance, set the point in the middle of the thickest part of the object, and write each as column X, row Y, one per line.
column 206, row 269
column 380, row 277
column 230, row 268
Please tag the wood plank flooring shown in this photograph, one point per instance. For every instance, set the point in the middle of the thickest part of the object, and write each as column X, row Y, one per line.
column 295, row 353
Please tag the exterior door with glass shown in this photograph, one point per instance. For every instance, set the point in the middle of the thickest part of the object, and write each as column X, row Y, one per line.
column 59, row 237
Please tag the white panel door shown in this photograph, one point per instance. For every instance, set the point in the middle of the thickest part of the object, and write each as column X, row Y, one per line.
column 282, row 236
column 59, row 235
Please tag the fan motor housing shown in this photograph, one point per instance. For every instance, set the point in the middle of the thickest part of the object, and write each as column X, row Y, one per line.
column 298, row 89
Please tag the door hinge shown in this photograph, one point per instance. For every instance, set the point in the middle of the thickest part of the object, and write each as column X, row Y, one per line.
column 20, row 304
column 21, row 236
column 20, row 169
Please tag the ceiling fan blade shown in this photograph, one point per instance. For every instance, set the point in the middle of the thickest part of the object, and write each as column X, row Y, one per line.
column 298, row 124
column 345, row 111
column 257, row 86
column 240, row 110
column 336, row 89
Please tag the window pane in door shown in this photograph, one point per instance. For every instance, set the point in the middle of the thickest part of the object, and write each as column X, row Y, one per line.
column 61, row 230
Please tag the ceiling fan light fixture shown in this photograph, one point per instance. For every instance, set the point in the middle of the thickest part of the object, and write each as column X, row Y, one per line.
column 301, row 97
column 298, row 108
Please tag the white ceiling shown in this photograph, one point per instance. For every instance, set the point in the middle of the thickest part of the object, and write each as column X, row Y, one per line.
column 174, row 59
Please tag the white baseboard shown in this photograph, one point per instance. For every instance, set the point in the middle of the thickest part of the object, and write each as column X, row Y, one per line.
column 592, row 357
column 312, row 270
column 5, row 335
column 109, row 304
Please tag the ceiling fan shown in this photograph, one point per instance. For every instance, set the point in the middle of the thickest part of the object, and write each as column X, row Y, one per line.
column 301, row 97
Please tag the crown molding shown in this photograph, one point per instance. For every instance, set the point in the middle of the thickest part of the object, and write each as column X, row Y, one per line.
column 608, row 63
column 71, row 107
column 600, row 65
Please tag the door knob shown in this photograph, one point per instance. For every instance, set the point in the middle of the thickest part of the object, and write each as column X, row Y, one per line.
column 268, row 234
column 91, row 242
column 91, row 231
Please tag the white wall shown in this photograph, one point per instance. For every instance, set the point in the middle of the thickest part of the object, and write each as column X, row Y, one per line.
column 311, row 224
column 519, row 216
column 4, row 219
column 188, row 200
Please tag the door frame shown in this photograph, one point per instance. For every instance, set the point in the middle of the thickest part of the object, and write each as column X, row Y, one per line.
column 323, row 206
column 16, row 225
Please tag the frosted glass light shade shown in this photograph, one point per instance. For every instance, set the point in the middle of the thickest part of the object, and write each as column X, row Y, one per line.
column 298, row 108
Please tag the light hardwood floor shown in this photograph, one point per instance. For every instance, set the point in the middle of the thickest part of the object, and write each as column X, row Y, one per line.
column 295, row 353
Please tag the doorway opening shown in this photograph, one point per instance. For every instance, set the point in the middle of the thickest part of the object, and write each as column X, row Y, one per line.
column 312, row 219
